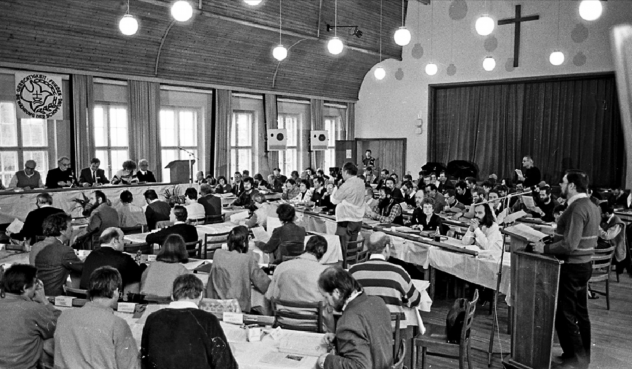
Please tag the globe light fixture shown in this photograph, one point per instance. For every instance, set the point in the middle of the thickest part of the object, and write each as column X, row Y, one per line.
column 379, row 73
column 431, row 69
column 335, row 45
column 181, row 11
column 402, row 36
column 252, row 2
column 556, row 58
column 484, row 25
column 590, row 10
column 279, row 52
column 489, row 64
column 128, row 25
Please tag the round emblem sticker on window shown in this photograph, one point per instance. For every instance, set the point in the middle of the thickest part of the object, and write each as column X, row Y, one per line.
column 38, row 96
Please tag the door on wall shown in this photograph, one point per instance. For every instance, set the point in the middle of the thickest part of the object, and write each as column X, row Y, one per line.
column 345, row 151
column 390, row 153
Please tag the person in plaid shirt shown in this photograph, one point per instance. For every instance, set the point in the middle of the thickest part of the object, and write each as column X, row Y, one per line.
column 387, row 210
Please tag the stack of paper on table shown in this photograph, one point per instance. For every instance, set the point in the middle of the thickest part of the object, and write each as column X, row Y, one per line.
column 526, row 232
column 15, row 226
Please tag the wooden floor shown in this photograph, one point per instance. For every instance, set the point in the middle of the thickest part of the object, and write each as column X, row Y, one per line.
column 611, row 330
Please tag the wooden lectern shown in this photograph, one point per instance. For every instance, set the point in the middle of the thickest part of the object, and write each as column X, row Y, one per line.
column 180, row 170
column 534, row 287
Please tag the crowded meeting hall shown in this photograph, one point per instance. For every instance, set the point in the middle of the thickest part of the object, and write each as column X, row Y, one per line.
column 331, row 184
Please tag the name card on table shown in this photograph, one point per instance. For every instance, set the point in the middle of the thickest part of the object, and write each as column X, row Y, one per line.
column 64, row 301
column 234, row 318
column 254, row 333
column 126, row 307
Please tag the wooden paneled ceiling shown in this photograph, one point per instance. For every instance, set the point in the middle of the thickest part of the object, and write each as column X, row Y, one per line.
column 226, row 43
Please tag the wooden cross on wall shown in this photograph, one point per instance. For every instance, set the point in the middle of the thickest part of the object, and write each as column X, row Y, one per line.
column 517, row 20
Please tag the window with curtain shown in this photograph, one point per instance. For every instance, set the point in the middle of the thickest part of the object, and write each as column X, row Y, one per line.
column 332, row 125
column 22, row 140
column 111, row 136
column 288, row 159
column 178, row 130
column 241, row 141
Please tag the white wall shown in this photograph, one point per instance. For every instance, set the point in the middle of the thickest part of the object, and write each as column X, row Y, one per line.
column 389, row 108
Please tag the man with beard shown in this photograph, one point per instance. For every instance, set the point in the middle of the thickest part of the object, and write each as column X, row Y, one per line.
column 483, row 231
column 575, row 240
column 544, row 207
column 102, row 216
column 363, row 337
column 388, row 209
column 245, row 197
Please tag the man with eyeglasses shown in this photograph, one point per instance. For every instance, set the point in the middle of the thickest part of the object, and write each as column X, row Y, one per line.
column 61, row 176
column 28, row 178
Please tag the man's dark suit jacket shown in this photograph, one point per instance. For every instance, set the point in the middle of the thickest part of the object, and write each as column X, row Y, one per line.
column 149, row 177
column 107, row 256
column 155, row 212
column 33, row 223
column 212, row 204
column 289, row 232
column 56, row 175
column 187, row 231
column 86, row 176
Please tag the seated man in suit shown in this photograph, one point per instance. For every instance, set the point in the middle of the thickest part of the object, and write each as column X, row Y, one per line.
column 396, row 194
column 433, row 193
column 237, row 186
column 62, row 176
column 288, row 232
column 212, row 204
column 33, row 223
column 408, row 194
column 156, row 210
column 102, row 216
column 92, row 176
column 111, row 254
column 144, row 174
column 187, row 231
column 27, row 179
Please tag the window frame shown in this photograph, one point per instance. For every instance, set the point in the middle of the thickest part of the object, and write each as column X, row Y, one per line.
column 199, row 137
column 281, row 121
column 111, row 168
column 235, row 166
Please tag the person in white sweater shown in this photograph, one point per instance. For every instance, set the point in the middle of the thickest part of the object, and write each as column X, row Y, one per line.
column 483, row 231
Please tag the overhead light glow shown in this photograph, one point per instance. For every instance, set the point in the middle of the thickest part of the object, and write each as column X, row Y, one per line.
column 489, row 64
column 431, row 69
column 590, row 10
column 556, row 58
column 128, row 25
column 379, row 73
column 181, row 11
column 484, row 25
column 335, row 46
column 402, row 36
column 252, row 2
column 279, row 52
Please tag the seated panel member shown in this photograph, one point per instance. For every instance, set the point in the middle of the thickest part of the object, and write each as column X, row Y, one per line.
column 186, row 231
column 27, row 319
column 130, row 215
column 92, row 336
column 92, row 176
column 156, row 210
column 144, row 174
column 62, row 176
column 33, row 223
column 288, row 232
column 27, row 179
column 127, row 175
column 182, row 335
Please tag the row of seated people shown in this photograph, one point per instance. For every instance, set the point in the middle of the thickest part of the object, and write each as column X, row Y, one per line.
column 63, row 176
column 301, row 280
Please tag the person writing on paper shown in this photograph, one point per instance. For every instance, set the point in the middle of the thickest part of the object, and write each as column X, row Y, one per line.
column 575, row 240
column 182, row 335
column 28, row 179
column 530, row 176
column 426, row 219
column 287, row 240
column 32, row 226
column 62, row 176
column 92, row 176
column 388, row 210
column 483, row 231
column 364, row 337
column 127, row 175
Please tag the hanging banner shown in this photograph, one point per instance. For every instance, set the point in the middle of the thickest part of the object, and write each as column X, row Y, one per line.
column 38, row 96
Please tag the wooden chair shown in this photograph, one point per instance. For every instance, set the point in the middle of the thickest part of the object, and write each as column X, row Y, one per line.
column 602, row 266
column 436, row 341
column 163, row 224
column 135, row 229
column 355, row 253
column 214, row 241
column 194, row 248
column 219, row 218
column 299, row 316
column 197, row 221
column 289, row 248
column 397, row 318
column 398, row 360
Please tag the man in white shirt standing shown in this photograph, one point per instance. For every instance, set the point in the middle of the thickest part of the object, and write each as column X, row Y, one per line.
column 350, row 210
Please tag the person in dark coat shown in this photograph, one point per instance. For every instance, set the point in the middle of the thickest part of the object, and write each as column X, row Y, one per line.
column 187, row 231
column 93, row 175
column 33, row 223
column 289, row 232
column 156, row 210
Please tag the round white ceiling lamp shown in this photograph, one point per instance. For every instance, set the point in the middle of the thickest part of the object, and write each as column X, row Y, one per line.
column 402, row 36
column 489, row 64
column 128, row 25
column 590, row 10
column 556, row 58
column 335, row 45
column 484, row 25
column 431, row 69
column 181, row 11
column 379, row 73
column 279, row 52
column 253, row 2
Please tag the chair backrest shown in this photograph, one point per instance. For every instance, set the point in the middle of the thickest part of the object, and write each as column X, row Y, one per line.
column 290, row 248
column 397, row 318
column 398, row 359
column 134, row 230
column 163, row 224
column 354, row 251
column 197, row 221
column 469, row 318
column 143, row 247
column 300, row 316
column 194, row 248
column 214, row 241
column 602, row 258
column 219, row 218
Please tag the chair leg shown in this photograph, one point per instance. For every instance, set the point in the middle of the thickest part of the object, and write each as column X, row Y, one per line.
column 462, row 353
column 607, row 294
column 423, row 357
column 413, row 356
column 469, row 358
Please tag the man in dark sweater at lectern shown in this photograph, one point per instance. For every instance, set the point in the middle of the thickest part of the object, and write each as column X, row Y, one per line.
column 575, row 242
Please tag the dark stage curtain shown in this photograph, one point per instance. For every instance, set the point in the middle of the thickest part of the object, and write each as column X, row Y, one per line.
column 563, row 123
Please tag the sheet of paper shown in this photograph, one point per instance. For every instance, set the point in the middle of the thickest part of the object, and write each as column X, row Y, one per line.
column 195, row 264
column 514, row 216
column 151, row 308
column 526, row 232
column 15, row 226
column 301, row 343
column 500, row 218
column 528, row 202
column 405, row 206
column 260, row 234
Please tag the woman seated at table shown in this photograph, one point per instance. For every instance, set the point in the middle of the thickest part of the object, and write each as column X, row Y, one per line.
column 157, row 279
column 305, row 193
column 483, row 230
column 387, row 209
column 260, row 183
column 286, row 240
column 425, row 218
column 222, row 185
column 127, row 175
column 234, row 271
